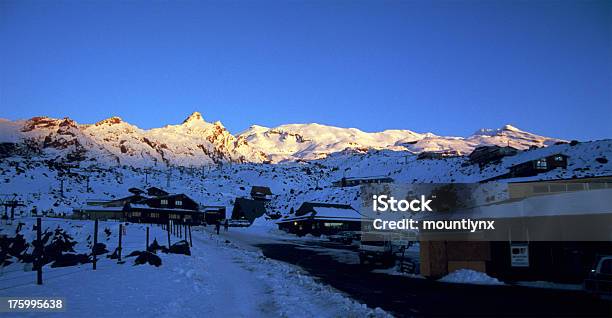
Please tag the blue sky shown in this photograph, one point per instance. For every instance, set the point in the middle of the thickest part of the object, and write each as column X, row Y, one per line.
column 448, row 67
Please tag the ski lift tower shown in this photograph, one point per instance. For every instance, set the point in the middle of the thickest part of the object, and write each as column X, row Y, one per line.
column 13, row 203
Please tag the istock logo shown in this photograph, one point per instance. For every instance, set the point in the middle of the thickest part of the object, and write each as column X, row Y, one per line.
column 383, row 203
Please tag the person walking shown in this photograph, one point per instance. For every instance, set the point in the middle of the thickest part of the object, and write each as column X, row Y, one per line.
column 226, row 225
column 217, row 226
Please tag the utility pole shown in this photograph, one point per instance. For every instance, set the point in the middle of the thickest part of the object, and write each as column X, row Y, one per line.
column 95, row 259
column 41, row 248
column 120, row 239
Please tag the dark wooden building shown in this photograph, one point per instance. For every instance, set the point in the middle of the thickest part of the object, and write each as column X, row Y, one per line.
column 213, row 213
column 321, row 218
column 157, row 207
column 537, row 166
column 486, row 154
column 261, row 193
column 248, row 209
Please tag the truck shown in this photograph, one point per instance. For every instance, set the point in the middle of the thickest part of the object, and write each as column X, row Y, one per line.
column 383, row 247
column 599, row 282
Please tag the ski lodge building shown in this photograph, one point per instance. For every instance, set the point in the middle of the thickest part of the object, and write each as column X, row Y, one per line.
column 534, row 167
column 554, row 230
column 153, row 206
column 321, row 218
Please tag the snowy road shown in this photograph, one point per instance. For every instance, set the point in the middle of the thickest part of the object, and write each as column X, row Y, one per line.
column 339, row 267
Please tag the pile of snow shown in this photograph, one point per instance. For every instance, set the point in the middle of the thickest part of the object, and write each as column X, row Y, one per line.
column 468, row 276
column 262, row 226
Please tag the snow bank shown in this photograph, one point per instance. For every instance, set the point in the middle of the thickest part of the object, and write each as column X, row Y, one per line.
column 468, row 276
column 551, row 285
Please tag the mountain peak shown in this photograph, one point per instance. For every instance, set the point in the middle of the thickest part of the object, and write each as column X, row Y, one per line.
column 493, row 132
column 110, row 121
column 510, row 128
column 194, row 118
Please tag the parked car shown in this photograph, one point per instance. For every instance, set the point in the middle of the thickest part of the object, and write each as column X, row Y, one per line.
column 599, row 282
column 239, row 223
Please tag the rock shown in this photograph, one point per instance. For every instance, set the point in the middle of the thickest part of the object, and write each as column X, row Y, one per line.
column 114, row 255
column 70, row 259
column 154, row 247
column 135, row 253
column 148, row 257
column 180, row 247
column 100, row 248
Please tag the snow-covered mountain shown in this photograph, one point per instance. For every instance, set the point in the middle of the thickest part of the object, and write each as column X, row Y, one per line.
column 314, row 141
column 112, row 141
column 506, row 136
column 196, row 142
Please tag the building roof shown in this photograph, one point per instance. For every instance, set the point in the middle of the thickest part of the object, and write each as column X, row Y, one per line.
column 336, row 213
column 156, row 191
column 260, row 190
column 324, row 211
column 592, row 202
column 141, row 206
column 308, row 207
column 98, row 208
column 604, row 178
column 206, row 208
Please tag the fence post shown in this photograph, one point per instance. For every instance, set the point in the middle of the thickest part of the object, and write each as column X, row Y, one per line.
column 168, row 231
column 93, row 248
column 190, row 241
column 120, row 239
column 147, row 247
column 39, row 258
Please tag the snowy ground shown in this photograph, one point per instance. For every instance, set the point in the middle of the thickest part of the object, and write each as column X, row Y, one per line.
column 219, row 279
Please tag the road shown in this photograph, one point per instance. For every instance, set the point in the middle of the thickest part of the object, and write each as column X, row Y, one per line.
column 338, row 266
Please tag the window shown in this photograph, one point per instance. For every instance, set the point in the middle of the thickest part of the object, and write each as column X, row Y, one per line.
column 154, row 215
column 606, row 267
column 558, row 158
column 178, row 202
column 333, row 225
column 541, row 164
column 164, row 202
